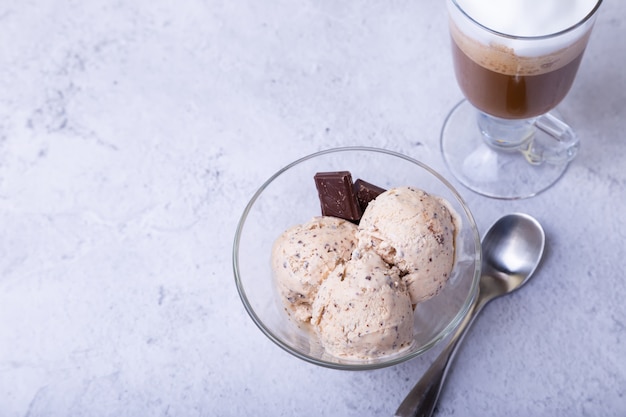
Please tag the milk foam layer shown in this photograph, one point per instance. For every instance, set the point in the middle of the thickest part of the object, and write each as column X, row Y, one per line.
column 528, row 17
column 521, row 52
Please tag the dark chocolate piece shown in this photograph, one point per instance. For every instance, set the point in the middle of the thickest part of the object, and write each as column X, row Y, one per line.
column 366, row 192
column 337, row 195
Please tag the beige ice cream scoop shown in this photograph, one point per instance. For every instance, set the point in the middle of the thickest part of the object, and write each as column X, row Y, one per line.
column 363, row 309
column 414, row 231
column 304, row 255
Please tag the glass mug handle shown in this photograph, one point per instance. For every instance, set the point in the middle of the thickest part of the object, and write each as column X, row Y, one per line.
column 559, row 145
column 544, row 139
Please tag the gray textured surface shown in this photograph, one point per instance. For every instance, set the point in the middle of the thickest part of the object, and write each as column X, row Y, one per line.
column 132, row 135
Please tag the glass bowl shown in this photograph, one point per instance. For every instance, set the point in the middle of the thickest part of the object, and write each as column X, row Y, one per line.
column 290, row 197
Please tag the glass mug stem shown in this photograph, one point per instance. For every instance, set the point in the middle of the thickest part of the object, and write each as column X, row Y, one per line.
column 557, row 145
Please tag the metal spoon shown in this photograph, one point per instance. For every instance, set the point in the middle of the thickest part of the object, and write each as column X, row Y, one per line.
column 512, row 250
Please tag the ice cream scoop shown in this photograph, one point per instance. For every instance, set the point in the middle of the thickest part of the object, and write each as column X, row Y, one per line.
column 304, row 255
column 414, row 231
column 363, row 310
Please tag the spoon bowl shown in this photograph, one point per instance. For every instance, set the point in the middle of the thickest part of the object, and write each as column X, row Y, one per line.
column 512, row 249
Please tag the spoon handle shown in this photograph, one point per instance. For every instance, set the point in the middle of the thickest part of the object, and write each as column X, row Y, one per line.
column 421, row 400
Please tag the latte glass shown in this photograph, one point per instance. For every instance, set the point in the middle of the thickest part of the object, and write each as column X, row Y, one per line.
column 506, row 140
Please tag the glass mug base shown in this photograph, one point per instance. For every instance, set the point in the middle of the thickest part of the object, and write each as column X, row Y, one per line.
column 504, row 173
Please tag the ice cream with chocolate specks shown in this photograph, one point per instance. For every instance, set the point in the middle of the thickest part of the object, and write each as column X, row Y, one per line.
column 414, row 231
column 363, row 309
column 357, row 286
column 304, row 255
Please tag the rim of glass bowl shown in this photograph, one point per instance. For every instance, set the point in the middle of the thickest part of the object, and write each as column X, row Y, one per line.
column 395, row 359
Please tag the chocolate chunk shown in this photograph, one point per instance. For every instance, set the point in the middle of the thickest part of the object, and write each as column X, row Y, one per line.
column 366, row 192
column 337, row 195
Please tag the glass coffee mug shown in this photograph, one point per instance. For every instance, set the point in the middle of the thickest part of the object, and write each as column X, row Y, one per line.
column 514, row 60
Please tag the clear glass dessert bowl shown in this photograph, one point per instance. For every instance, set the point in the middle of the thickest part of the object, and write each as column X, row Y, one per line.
column 290, row 197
